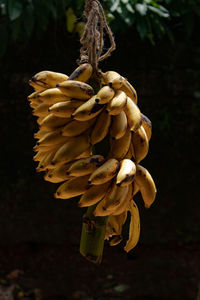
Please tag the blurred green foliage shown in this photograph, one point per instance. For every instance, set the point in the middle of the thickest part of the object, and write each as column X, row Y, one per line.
column 20, row 20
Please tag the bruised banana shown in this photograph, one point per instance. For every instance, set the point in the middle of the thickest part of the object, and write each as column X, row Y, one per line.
column 76, row 89
column 146, row 123
column 125, row 203
column 140, row 144
column 48, row 78
column 82, row 73
column 104, row 95
column 118, row 126
column 101, row 128
column 117, row 104
column 114, row 224
column 134, row 227
column 146, row 185
column 126, row 172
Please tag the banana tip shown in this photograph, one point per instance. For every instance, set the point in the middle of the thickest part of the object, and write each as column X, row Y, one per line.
column 97, row 100
column 58, row 84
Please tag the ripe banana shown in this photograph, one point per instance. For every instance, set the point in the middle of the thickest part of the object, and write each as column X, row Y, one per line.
column 76, row 89
column 52, row 122
column 75, row 127
column 32, row 96
column 37, row 88
column 119, row 125
column 41, row 110
column 114, row 224
column 113, row 79
column 65, row 109
column 134, row 227
column 129, row 90
column 104, row 95
column 146, row 123
column 125, row 203
column 49, row 176
column 60, row 172
column 101, row 128
column 52, row 138
column 85, row 166
column 126, row 172
column 117, row 104
column 146, row 185
column 120, row 147
column 87, row 110
column 48, row 78
column 40, row 133
column 82, row 73
column 105, row 172
column 140, row 144
column 52, row 96
column 72, row 188
column 45, row 163
column 133, row 115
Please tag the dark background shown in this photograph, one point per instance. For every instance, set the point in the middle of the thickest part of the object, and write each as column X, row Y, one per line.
column 40, row 235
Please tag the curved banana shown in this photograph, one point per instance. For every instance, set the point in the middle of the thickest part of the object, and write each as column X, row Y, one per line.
column 117, row 104
column 76, row 89
column 48, row 78
column 114, row 225
column 49, row 176
column 94, row 194
column 119, row 125
column 65, row 109
column 52, row 122
column 37, row 88
column 140, row 144
column 146, row 123
column 101, row 128
column 39, row 155
column 120, row 147
column 133, row 115
column 40, row 133
column 52, row 138
column 105, row 172
column 129, row 90
column 32, row 96
column 52, row 96
column 146, row 185
column 113, row 79
column 122, row 207
column 87, row 110
column 126, row 172
column 60, row 173
column 85, row 166
column 75, row 127
column 104, row 95
column 41, row 110
column 72, row 188
column 45, row 163
column 71, row 149
column 134, row 227
column 82, row 73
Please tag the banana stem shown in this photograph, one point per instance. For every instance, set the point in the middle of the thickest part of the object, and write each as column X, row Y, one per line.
column 92, row 237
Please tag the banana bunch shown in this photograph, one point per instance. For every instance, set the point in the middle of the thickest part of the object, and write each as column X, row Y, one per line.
column 73, row 118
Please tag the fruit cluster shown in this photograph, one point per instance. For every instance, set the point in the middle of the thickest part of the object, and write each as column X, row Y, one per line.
column 73, row 119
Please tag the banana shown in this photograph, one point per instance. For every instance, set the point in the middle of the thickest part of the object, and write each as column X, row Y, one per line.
column 37, row 88
column 134, row 227
column 52, row 122
column 72, row 188
column 129, row 90
column 113, row 79
column 52, row 137
column 82, row 73
column 130, row 153
column 65, row 109
column 122, row 207
column 41, row 110
column 60, row 172
column 114, row 225
column 146, row 185
column 40, row 133
column 40, row 119
column 94, row 194
column 119, row 125
column 105, row 172
column 85, row 166
column 146, row 123
column 115, row 240
column 117, row 104
column 133, row 115
column 140, row 144
column 86, row 153
column 120, row 147
column 76, row 89
column 42, row 148
column 39, row 155
column 48, row 78
column 71, row 149
column 52, row 96
column 104, row 95
column 33, row 105
column 32, row 96
column 75, row 127
column 126, row 172
column 51, row 177
column 87, row 110
column 46, row 161
column 101, row 128
column 111, row 201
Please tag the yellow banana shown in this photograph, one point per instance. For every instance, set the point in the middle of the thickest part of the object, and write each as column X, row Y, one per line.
column 113, row 79
column 120, row 147
column 37, row 88
column 48, row 78
column 32, row 96
column 85, row 166
column 94, row 194
column 122, row 207
column 75, row 127
column 129, row 90
column 71, row 149
column 76, row 89
column 33, row 105
column 86, row 153
column 52, row 96
column 52, row 137
column 45, row 163
column 133, row 115
column 126, row 172
column 146, row 123
column 105, row 172
column 41, row 110
column 52, row 122
column 39, row 155
column 51, row 177
column 117, row 104
column 87, row 110
column 130, row 153
column 82, row 73
column 119, row 125
column 40, row 133
column 104, row 95
column 114, row 225
column 60, row 172
column 140, row 144
column 65, row 109
column 42, row 148
column 146, row 185
column 72, row 188
column 134, row 227
column 101, row 128
column 111, row 201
